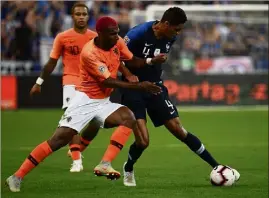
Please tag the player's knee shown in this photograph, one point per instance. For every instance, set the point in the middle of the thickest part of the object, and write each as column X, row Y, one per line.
column 177, row 129
column 61, row 137
column 181, row 132
column 144, row 143
column 128, row 119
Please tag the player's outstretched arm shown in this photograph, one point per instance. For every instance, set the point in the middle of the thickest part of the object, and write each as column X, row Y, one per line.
column 136, row 62
column 47, row 70
column 143, row 86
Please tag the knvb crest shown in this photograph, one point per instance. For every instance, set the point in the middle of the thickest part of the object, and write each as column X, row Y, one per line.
column 116, row 51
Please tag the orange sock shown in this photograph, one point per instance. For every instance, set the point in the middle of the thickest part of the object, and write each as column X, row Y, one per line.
column 42, row 151
column 83, row 144
column 75, row 151
column 117, row 141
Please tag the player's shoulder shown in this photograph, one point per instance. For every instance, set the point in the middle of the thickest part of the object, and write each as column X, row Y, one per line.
column 141, row 28
column 90, row 50
column 66, row 32
column 62, row 36
column 91, row 33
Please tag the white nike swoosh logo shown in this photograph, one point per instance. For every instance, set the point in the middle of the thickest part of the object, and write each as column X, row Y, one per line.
column 148, row 44
column 172, row 112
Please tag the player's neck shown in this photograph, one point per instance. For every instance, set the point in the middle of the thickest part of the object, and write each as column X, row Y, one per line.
column 80, row 31
column 156, row 31
column 100, row 44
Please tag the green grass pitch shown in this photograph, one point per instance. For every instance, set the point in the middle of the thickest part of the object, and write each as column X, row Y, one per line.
column 167, row 168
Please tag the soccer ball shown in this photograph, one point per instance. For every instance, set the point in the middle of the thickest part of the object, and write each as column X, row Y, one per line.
column 222, row 176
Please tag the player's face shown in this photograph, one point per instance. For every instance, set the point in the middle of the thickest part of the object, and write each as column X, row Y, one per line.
column 111, row 36
column 80, row 17
column 171, row 31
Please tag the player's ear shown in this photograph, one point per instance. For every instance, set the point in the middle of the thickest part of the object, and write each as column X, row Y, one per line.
column 167, row 24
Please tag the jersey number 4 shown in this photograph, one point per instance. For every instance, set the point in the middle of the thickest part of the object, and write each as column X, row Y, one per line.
column 146, row 51
column 170, row 105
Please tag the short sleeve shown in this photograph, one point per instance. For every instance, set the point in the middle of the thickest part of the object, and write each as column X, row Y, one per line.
column 133, row 37
column 95, row 68
column 57, row 47
column 125, row 53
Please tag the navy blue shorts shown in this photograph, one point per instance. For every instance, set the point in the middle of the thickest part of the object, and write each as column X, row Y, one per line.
column 159, row 107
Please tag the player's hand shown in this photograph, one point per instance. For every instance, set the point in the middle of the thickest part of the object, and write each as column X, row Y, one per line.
column 36, row 89
column 150, row 87
column 160, row 58
column 132, row 78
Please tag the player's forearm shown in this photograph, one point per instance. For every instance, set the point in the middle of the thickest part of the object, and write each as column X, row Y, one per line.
column 115, row 83
column 124, row 70
column 48, row 68
column 136, row 62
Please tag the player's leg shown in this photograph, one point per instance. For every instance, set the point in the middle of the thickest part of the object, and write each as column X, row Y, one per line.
column 193, row 142
column 117, row 140
column 135, row 151
column 119, row 136
column 61, row 137
column 75, row 118
column 163, row 112
column 122, row 133
column 74, row 145
column 136, row 103
column 115, row 114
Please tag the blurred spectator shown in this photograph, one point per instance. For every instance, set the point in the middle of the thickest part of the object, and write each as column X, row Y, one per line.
column 206, row 34
column 234, row 44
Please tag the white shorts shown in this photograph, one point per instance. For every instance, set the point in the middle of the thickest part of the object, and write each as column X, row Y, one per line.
column 68, row 94
column 83, row 109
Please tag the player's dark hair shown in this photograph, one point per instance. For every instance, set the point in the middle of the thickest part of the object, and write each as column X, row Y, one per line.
column 79, row 5
column 174, row 16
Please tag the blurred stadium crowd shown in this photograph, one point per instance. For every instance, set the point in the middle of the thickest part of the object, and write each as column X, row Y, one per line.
column 23, row 24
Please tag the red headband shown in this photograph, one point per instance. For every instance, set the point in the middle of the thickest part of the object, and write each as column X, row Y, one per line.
column 104, row 22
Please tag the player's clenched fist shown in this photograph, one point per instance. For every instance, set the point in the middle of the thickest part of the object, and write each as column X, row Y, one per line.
column 150, row 87
column 36, row 89
column 160, row 58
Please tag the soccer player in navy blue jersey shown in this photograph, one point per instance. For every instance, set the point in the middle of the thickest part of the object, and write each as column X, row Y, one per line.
column 148, row 40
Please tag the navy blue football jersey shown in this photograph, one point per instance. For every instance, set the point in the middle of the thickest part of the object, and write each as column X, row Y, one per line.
column 142, row 42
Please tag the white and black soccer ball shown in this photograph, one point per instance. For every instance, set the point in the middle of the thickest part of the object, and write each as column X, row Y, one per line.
column 222, row 176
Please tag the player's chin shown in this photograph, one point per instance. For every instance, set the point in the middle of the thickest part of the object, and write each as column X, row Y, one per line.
column 113, row 43
column 82, row 24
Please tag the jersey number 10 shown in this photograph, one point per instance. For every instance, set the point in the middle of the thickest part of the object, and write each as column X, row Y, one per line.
column 74, row 50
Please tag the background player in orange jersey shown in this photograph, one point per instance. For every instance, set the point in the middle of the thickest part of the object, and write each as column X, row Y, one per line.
column 69, row 44
column 99, row 63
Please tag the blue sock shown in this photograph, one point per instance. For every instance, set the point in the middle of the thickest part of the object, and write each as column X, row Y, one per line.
column 196, row 146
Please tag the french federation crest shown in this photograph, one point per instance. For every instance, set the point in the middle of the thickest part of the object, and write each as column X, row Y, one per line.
column 157, row 52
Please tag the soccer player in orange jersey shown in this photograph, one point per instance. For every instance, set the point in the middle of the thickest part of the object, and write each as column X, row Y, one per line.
column 69, row 44
column 99, row 64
